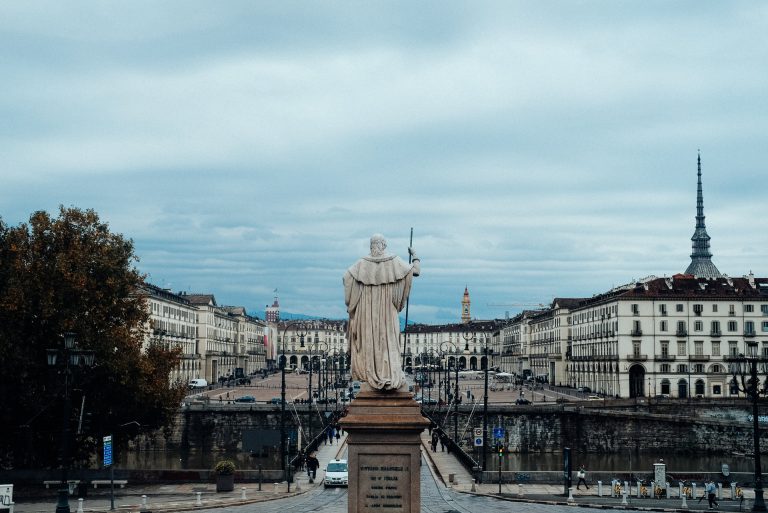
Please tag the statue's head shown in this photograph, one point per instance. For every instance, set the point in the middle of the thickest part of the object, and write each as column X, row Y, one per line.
column 378, row 245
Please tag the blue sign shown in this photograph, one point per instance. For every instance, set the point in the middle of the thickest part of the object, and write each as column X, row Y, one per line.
column 498, row 432
column 108, row 451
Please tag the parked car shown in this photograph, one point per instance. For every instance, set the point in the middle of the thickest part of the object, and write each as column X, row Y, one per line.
column 522, row 401
column 245, row 399
column 595, row 398
column 274, row 400
column 586, row 390
column 336, row 474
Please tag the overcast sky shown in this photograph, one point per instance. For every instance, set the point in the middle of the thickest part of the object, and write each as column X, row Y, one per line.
column 538, row 149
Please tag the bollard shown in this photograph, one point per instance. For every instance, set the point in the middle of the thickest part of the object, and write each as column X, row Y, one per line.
column 276, row 488
column 570, row 500
column 624, row 498
column 653, row 489
column 627, row 487
column 519, row 490
column 259, row 477
column 680, row 488
column 599, row 488
column 143, row 503
column 733, row 491
column 199, row 500
column 669, row 495
column 79, row 505
column 638, row 489
column 613, row 488
column 474, row 485
column 693, row 490
column 298, row 487
column 719, row 491
column 242, row 493
column 684, row 505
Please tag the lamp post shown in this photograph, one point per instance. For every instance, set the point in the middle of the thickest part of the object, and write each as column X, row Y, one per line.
column 740, row 367
column 310, row 347
column 455, row 391
column 469, row 335
column 64, row 357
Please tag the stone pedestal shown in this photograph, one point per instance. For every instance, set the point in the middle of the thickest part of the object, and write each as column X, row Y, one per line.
column 384, row 447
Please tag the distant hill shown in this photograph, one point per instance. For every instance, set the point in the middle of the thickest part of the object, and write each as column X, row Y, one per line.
column 288, row 316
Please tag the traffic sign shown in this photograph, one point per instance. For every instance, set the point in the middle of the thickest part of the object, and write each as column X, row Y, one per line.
column 478, row 432
column 498, row 432
column 478, row 441
column 108, row 451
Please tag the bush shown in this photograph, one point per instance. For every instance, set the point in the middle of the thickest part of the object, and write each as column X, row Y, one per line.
column 224, row 468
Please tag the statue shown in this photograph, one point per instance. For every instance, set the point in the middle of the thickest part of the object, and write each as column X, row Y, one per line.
column 376, row 288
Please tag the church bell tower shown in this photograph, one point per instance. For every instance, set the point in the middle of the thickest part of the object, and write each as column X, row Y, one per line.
column 465, row 316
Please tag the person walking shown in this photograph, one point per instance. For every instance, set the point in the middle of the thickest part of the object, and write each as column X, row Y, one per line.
column 582, row 475
column 711, row 497
column 434, row 441
column 312, row 466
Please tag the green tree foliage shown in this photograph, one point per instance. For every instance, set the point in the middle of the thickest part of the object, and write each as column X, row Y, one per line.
column 70, row 273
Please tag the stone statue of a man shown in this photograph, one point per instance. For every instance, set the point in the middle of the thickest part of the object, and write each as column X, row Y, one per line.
column 376, row 288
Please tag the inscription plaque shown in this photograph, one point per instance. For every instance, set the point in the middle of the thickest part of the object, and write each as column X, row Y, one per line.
column 385, row 483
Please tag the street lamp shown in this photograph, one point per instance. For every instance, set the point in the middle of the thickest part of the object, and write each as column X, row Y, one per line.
column 64, row 357
column 468, row 335
column 740, row 367
column 283, row 452
column 310, row 347
column 455, row 390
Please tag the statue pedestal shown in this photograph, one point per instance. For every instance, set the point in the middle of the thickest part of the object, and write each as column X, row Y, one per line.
column 384, row 446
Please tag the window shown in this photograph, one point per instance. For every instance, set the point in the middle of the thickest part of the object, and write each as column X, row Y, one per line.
column 697, row 309
column 733, row 348
column 663, row 309
column 679, row 307
column 764, row 309
column 698, row 348
column 636, row 328
column 717, row 389
column 749, row 308
column 665, row 348
column 715, row 327
column 714, row 307
column 665, row 367
column 749, row 327
column 681, row 349
column 731, row 309
column 716, row 369
column 635, row 309
column 698, row 368
column 765, row 350
column 715, row 348
column 765, row 326
column 665, row 386
column 682, row 368
column 698, row 326
column 681, row 328
column 699, row 387
column 663, row 326
column 733, row 326
column 636, row 348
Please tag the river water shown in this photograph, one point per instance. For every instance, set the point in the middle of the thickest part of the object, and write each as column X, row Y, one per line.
column 629, row 461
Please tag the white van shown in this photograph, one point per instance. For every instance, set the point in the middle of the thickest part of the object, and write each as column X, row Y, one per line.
column 197, row 383
column 336, row 474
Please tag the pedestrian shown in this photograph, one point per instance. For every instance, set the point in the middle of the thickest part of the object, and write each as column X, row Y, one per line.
column 312, row 465
column 329, row 433
column 338, row 435
column 443, row 443
column 711, row 497
column 582, row 475
column 434, row 441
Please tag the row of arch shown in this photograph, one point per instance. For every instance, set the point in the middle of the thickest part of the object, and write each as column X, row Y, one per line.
column 472, row 361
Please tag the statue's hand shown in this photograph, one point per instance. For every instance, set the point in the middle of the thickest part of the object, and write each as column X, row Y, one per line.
column 412, row 253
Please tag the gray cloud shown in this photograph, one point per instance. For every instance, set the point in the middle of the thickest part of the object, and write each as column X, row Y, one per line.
column 538, row 149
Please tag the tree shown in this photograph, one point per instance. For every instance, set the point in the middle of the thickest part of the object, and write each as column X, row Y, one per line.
column 71, row 273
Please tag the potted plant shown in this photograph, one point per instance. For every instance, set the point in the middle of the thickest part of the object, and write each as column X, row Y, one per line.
column 225, row 476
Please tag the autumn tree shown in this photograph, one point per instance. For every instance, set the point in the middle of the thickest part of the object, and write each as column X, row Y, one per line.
column 71, row 274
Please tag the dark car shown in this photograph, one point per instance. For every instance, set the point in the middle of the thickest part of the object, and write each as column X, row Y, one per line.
column 522, row 401
column 586, row 390
column 245, row 399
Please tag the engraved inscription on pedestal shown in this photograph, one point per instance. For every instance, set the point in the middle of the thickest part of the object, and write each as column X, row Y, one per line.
column 385, row 483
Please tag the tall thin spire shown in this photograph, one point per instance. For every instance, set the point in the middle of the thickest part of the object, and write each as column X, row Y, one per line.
column 701, row 257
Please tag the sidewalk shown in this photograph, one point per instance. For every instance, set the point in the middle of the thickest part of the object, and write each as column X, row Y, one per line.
column 183, row 496
column 444, row 465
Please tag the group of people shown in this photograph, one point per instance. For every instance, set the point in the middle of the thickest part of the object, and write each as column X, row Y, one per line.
column 437, row 436
column 332, row 432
